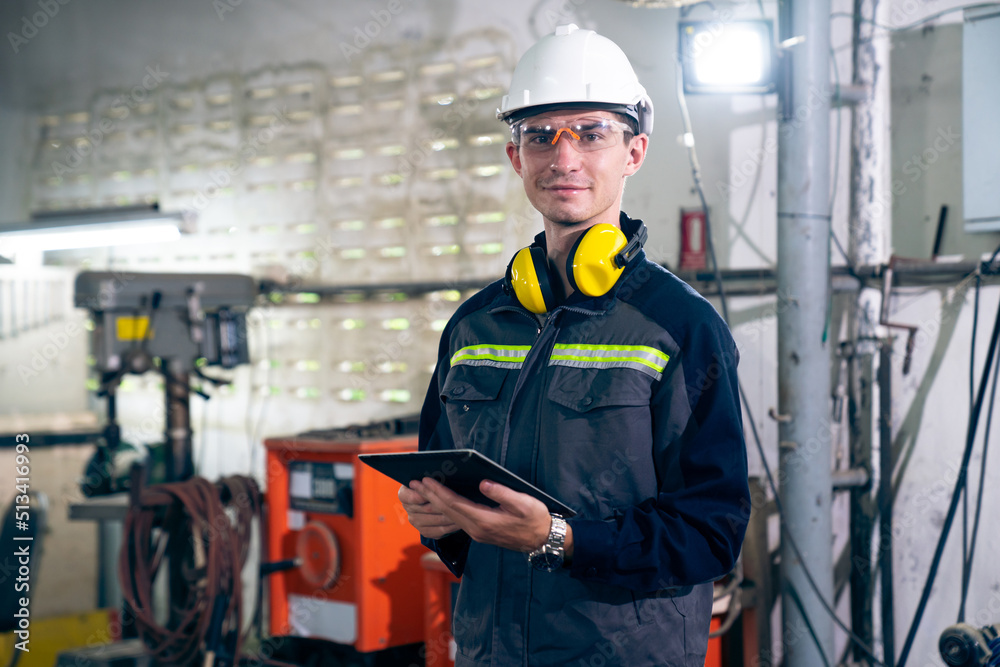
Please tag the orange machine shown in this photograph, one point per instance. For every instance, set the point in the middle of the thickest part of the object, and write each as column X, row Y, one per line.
column 440, row 589
column 360, row 582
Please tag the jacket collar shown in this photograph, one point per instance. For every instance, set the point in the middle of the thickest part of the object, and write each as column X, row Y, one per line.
column 628, row 225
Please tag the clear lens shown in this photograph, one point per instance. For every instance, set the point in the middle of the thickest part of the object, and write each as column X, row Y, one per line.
column 585, row 135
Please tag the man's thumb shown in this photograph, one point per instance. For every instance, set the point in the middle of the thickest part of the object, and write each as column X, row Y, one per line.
column 497, row 492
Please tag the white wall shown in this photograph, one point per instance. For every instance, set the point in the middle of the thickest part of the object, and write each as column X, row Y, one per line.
column 13, row 191
column 931, row 404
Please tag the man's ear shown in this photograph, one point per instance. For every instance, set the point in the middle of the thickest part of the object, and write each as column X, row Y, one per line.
column 514, row 155
column 636, row 153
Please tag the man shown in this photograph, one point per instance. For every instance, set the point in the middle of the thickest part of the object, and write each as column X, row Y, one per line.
column 599, row 377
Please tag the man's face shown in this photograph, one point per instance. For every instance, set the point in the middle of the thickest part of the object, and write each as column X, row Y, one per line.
column 580, row 177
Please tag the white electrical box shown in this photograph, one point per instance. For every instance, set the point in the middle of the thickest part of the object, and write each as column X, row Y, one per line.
column 980, row 127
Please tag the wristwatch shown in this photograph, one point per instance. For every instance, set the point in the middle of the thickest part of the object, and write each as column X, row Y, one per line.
column 549, row 557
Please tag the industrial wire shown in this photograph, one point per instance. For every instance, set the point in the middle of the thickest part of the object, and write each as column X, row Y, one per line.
column 959, row 487
column 207, row 526
column 779, row 507
column 967, row 564
column 689, row 142
column 915, row 24
column 794, row 595
column 965, row 497
column 696, row 176
column 200, row 463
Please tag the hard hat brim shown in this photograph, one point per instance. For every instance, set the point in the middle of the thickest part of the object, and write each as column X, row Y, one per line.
column 628, row 110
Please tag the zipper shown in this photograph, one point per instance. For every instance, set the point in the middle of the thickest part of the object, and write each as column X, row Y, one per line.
column 583, row 311
column 523, row 313
column 542, row 391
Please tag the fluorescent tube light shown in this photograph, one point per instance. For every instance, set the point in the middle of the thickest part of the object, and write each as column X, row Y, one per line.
column 91, row 229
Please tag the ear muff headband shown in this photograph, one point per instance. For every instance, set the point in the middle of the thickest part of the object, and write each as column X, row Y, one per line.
column 528, row 276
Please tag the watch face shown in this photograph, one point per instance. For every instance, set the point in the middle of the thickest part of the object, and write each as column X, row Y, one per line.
column 547, row 561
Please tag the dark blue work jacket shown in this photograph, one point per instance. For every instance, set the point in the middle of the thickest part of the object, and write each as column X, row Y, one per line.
column 624, row 407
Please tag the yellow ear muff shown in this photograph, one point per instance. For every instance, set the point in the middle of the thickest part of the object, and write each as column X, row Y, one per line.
column 528, row 276
column 591, row 266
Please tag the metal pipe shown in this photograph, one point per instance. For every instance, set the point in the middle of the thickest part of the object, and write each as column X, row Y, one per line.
column 849, row 94
column 885, row 499
column 862, row 512
column 851, row 478
column 739, row 282
column 179, row 457
column 803, row 353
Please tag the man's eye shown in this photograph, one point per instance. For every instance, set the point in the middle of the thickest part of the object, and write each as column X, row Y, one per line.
column 538, row 138
column 593, row 137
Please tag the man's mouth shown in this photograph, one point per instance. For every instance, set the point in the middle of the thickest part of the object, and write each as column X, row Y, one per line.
column 565, row 187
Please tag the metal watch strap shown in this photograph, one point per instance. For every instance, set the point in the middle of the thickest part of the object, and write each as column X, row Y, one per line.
column 555, row 544
column 557, row 533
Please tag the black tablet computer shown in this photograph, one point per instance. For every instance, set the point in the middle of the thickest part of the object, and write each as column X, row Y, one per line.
column 461, row 470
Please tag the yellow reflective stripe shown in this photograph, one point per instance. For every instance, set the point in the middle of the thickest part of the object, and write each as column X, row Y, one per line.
column 643, row 354
column 512, row 354
column 615, row 348
column 606, row 361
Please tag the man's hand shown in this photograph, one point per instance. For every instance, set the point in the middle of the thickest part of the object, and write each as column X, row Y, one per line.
column 520, row 523
column 428, row 521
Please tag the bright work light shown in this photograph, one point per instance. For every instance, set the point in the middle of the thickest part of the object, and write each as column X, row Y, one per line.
column 719, row 57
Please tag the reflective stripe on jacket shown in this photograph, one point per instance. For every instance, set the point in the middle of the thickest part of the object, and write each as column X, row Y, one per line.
column 624, row 407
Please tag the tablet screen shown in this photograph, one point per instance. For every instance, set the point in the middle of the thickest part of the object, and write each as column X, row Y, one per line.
column 461, row 470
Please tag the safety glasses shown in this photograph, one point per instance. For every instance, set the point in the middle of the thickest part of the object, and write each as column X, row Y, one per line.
column 536, row 136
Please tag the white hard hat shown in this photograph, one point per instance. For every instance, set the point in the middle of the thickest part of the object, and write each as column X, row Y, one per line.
column 576, row 67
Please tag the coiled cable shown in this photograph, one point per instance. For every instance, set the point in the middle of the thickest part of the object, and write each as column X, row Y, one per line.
column 208, row 527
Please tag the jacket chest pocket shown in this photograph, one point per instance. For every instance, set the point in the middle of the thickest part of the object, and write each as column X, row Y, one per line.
column 603, row 424
column 473, row 399
column 584, row 390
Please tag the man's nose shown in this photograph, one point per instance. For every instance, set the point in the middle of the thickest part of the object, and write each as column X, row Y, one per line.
column 565, row 156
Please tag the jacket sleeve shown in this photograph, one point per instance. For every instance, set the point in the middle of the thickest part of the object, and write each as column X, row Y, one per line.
column 693, row 530
column 435, row 434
